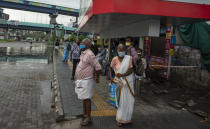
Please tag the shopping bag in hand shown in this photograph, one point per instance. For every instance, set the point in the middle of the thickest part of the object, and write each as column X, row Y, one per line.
column 113, row 93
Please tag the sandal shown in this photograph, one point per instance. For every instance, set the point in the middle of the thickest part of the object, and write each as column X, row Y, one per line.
column 119, row 124
column 86, row 121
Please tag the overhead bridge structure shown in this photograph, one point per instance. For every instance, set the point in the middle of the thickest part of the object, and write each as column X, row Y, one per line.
column 38, row 7
column 32, row 26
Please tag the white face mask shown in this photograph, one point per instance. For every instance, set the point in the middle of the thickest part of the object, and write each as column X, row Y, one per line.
column 121, row 54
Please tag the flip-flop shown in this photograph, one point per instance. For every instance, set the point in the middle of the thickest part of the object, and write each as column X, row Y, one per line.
column 85, row 122
column 119, row 124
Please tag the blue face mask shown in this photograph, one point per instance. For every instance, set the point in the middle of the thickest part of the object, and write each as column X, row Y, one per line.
column 121, row 54
column 82, row 46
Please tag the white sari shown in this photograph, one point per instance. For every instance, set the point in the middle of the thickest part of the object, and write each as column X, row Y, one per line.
column 126, row 103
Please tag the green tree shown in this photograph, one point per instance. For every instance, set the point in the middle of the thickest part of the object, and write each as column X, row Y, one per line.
column 81, row 37
column 72, row 38
column 62, row 34
column 53, row 36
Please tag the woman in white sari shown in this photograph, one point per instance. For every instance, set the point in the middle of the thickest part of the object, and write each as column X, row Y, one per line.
column 122, row 66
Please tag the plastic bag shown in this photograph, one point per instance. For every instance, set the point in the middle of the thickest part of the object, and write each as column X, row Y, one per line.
column 113, row 89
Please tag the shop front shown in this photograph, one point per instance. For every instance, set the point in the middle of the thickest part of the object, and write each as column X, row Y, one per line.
column 154, row 22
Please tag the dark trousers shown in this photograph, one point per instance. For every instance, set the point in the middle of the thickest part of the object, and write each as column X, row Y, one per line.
column 75, row 63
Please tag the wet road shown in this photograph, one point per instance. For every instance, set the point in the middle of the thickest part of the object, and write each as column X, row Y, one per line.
column 25, row 80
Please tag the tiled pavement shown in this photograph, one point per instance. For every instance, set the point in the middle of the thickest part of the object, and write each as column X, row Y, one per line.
column 71, row 105
column 153, row 114
column 150, row 112
column 23, row 96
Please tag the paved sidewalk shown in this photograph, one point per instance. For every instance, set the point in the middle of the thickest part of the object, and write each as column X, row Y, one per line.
column 150, row 112
column 25, row 97
column 71, row 105
column 73, row 124
column 153, row 114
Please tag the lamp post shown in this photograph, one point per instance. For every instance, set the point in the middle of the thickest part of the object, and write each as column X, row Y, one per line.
column 54, row 23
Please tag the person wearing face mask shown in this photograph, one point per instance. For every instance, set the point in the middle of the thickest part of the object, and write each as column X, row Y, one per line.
column 124, row 78
column 74, row 56
column 131, row 50
column 86, row 69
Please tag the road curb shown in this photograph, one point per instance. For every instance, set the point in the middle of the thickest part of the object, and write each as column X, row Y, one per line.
column 56, row 97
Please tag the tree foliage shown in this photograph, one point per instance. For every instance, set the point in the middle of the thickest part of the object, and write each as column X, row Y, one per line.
column 62, row 34
column 81, row 37
column 72, row 38
column 53, row 36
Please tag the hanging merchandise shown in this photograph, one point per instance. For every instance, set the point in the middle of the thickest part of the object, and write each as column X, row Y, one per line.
column 147, row 47
column 171, row 52
column 168, row 52
column 173, row 40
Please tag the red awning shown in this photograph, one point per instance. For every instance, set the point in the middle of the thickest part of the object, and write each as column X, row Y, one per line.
column 111, row 15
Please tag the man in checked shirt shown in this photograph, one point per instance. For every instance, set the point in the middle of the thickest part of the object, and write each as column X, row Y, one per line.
column 86, row 69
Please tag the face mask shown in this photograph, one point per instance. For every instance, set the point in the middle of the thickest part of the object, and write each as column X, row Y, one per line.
column 128, row 44
column 82, row 46
column 121, row 54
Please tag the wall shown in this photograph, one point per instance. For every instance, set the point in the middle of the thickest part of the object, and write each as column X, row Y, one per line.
column 136, row 29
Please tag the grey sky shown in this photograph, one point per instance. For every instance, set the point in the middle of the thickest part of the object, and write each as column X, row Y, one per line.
column 43, row 18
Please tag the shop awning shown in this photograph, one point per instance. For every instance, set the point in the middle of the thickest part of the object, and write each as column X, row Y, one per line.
column 120, row 18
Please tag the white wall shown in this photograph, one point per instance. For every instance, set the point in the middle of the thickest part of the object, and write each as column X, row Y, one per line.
column 144, row 28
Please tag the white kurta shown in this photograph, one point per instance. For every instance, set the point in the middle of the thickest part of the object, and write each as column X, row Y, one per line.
column 126, row 104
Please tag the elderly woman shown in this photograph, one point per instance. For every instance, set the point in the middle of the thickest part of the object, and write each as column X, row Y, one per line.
column 122, row 66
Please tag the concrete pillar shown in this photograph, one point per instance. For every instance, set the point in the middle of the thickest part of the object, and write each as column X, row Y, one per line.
column 53, row 18
column 141, row 43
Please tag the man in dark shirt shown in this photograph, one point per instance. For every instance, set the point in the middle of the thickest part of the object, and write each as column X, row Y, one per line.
column 75, row 56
